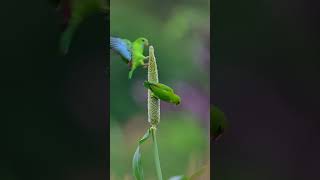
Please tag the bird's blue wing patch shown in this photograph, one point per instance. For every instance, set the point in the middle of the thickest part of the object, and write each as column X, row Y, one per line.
column 122, row 47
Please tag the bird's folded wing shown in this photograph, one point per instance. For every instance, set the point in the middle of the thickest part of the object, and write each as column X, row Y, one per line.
column 161, row 86
column 167, row 88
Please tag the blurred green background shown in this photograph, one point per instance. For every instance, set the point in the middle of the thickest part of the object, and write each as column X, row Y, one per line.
column 180, row 33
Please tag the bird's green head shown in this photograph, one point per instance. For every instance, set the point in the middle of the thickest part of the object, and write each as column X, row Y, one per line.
column 176, row 99
column 143, row 41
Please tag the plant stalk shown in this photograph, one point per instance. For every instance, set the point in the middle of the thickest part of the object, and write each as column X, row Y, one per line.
column 156, row 153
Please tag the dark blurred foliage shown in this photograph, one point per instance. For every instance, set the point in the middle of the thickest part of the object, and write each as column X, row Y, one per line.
column 54, row 108
column 266, row 79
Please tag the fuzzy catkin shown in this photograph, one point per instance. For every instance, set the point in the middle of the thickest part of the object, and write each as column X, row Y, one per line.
column 153, row 103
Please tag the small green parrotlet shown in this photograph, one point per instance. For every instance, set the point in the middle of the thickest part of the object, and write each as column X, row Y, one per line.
column 73, row 13
column 218, row 122
column 163, row 92
column 130, row 52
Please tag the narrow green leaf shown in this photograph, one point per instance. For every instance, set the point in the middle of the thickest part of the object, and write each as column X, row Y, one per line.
column 181, row 177
column 137, row 165
column 197, row 173
column 136, row 162
column 145, row 137
column 192, row 177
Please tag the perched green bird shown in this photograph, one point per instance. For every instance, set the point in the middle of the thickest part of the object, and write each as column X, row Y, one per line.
column 74, row 12
column 163, row 92
column 130, row 52
column 218, row 122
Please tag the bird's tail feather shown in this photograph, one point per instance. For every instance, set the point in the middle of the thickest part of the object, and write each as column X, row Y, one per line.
column 66, row 38
column 130, row 74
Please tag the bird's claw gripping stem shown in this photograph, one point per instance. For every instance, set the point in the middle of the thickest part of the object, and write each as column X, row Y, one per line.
column 154, row 96
column 146, row 65
column 146, row 58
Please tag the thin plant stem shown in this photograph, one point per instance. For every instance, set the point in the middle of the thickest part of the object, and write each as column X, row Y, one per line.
column 154, row 108
column 156, row 153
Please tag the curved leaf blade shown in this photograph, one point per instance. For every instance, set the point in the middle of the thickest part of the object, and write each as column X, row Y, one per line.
column 181, row 177
column 136, row 162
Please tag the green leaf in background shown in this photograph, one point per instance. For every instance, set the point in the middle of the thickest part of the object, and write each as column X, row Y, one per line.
column 182, row 177
column 74, row 13
column 194, row 176
column 218, row 122
column 136, row 162
column 197, row 173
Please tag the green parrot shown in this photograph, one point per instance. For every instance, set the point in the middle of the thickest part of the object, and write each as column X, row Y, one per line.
column 163, row 92
column 130, row 52
column 218, row 122
column 74, row 12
